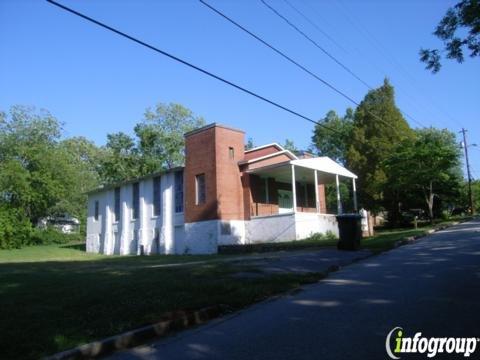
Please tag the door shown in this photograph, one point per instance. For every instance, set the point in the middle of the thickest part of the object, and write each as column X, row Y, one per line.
column 285, row 201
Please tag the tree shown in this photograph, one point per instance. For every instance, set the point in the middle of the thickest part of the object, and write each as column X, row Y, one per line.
column 83, row 166
column 459, row 30
column 290, row 146
column 249, row 145
column 121, row 160
column 426, row 166
column 377, row 126
column 158, row 144
column 161, row 136
column 30, row 175
column 41, row 175
column 332, row 139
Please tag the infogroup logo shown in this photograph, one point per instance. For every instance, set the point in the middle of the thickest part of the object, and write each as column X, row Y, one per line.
column 429, row 346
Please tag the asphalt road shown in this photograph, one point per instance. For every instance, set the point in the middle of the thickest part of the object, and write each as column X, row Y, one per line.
column 432, row 286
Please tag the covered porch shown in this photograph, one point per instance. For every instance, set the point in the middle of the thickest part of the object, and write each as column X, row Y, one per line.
column 297, row 186
column 288, row 199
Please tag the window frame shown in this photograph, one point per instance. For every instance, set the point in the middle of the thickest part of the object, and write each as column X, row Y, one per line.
column 117, row 208
column 200, row 189
column 179, row 193
column 157, row 196
column 135, row 201
column 96, row 210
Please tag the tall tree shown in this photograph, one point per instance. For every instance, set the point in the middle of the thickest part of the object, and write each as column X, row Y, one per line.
column 39, row 174
column 161, row 136
column 83, row 166
column 332, row 139
column 121, row 160
column 426, row 166
column 459, row 30
column 378, row 125
column 249, row 145
column 290, row 146
column 158, row 144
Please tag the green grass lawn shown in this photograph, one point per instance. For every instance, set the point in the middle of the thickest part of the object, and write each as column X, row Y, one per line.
column 385, row 239
column 309, row 243
column 55, row 297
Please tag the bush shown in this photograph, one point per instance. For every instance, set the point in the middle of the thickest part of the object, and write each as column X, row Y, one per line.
column 15, row 228
column 52, row 236
column 446, row 215
column 322, row 237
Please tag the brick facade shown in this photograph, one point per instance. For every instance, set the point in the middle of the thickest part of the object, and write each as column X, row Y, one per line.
column 231, row 193
column 214, row 151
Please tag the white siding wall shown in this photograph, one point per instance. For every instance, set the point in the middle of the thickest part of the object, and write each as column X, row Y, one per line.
column 271, row 229
column 132, row 235
column 129, row 237
column 288, row 227
column 308, row 223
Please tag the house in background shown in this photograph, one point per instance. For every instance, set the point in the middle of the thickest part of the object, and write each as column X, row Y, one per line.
column 223, row 196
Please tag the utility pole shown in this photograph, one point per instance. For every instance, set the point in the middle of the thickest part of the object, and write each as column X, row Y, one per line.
column 465, row 146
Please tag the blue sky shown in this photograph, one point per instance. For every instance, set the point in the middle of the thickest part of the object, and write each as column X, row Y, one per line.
column 97, row 82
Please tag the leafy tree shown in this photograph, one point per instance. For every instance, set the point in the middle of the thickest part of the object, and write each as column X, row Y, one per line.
column 158, row 144
column 333, row 142
column 290, row 146
column 121, row 159
column 249, row 145
column 40, row 175
column 426, row 166
column 475, row 194
column 30, row 176
column 83, row 166
column 459, row 30
column 161, row 136
column 377, row 126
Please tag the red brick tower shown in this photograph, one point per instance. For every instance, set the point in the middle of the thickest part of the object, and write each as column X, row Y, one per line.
column 213, row 188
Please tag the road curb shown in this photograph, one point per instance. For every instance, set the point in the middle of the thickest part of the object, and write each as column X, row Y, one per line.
column 412, row 239
column 178, row 321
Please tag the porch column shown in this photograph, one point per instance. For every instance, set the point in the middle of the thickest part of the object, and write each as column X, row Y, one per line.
column 339, row 202
column 294, row 190
column 317, row 201
column 355, row 206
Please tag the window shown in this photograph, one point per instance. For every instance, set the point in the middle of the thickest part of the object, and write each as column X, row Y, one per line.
column 200, row 195
column 96, row 211
column 179, row 191
column 117, row 204
column 157, row 195
column 231, row 153
column 136, row 200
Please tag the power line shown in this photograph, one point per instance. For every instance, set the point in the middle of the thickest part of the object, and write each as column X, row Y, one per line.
column 314, row 43
column 374, row 67
column 320, row 30
column 296, row 28
column 186, row 63
column 279, row 52
column 285, row 56
column 390, row 58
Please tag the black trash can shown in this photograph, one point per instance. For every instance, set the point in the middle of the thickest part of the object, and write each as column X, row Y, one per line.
column 350, row 231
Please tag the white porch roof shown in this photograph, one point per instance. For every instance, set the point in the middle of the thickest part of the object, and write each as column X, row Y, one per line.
column 324, row 164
